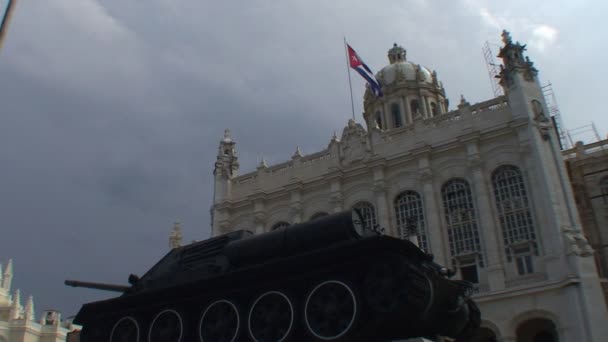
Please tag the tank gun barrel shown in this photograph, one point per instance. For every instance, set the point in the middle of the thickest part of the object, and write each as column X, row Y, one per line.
column 98, row 286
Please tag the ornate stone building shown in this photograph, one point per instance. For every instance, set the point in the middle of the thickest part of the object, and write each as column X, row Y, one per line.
column 19, row 324
column 588, row 169
column 483, row 185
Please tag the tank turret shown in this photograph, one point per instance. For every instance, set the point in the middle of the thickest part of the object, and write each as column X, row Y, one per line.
column 330, row 279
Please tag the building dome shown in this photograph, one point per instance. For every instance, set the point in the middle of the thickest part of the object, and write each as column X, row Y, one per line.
column 400, row 69
column 405, row 71
column 410, row 92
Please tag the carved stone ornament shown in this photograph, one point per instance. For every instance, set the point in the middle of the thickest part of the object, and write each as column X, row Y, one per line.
column 224, row 226
column 379, row 186
column 259, row 217
column 295, row 209
column 336, row 198
column 542, row 122
column 425, row 175
column 354, row 143
column 529, row 70
column 576, row 241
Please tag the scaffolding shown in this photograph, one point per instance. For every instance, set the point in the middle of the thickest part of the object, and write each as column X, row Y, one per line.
column 565, row 140
column 492, row 69
column 587, row 134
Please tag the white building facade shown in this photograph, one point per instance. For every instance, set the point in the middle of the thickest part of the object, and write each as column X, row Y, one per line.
column 18, row 323
column 482, row 187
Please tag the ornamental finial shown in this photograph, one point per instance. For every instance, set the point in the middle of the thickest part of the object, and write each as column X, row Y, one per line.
column 175, row 237
column 227, row 137
column 506, row 37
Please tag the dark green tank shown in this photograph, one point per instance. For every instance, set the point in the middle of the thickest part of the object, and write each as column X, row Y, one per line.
column 330, row 279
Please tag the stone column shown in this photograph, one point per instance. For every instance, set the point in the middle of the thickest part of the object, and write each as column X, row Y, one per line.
column 432, row 212
column 408, row 110
column 382, row 209
column 485, row 222
column 387, row 116
column 295, row 206
column 402, row 112
column 259, row 219
column 259, row 215
column 422, row 106
column 336, row 200
column 427, row 109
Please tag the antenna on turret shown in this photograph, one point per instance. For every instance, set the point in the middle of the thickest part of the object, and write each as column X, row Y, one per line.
column 492, row 69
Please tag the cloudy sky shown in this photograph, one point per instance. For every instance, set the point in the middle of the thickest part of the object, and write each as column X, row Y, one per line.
column 112, row 109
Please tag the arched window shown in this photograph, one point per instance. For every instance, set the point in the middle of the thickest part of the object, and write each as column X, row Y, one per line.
column 414, row 107
column 515, row 217
column 396, row 113
column 410, row 217
column 604, row 189
column 368, row 212
column 434, row 109
column 537, row 330
column 379, row 119
column 318, row 215
column 279, row 225
column 463, row 234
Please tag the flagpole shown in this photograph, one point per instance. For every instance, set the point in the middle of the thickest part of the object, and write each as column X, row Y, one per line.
column 350, row 85
column 5, row 19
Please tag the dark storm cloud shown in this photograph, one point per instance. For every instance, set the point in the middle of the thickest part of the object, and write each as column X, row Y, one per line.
column 112, row 110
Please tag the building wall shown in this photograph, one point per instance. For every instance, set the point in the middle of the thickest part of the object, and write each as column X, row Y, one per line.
column 558, row 288
column 588, row 170
column 18, row 322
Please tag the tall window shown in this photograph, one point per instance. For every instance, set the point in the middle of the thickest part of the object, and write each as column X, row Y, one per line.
column 279, row 225
column 515, row 217
column 463, row 233
column 604, row 189
column 396, row 113
column 379, row 119
column 414, row 107
column 368, row 212
column 410, row 217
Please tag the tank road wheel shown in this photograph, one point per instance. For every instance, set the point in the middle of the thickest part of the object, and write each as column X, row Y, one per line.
column 220, row 322
column 330, row 310
column 125, row 330
column 271, row 317
column 166, row 327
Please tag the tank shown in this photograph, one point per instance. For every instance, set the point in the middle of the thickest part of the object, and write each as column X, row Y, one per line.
column 330, row 279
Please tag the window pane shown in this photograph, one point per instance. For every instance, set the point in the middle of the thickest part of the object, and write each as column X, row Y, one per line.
column 463, row 234
column 396, row 115
column 604, row 189
column 529, row 266
column 469, row 273
column 410, row 217
column 520, row 266
column 368, row 212
column 513, row 206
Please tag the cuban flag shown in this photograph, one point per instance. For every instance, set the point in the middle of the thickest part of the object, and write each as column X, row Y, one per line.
column 363, row 70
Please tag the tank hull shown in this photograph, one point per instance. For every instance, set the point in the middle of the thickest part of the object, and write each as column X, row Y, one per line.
column 372, row 289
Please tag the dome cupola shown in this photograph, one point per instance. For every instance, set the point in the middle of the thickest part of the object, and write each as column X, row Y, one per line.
column 411, row 92
column 396, row 54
